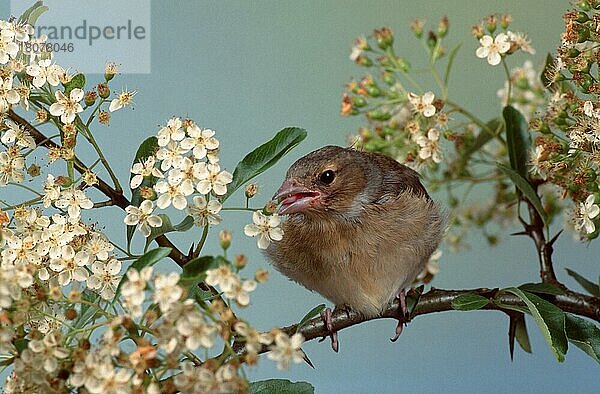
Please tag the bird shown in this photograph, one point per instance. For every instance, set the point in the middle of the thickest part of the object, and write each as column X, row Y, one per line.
column 360, row 227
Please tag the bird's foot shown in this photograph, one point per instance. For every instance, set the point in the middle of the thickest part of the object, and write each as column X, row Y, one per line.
column 326, row 316
column 403, row 315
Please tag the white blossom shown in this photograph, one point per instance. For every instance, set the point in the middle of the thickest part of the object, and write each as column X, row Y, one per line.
column 105, row 277
column 423, row 104
column 588, row 210
column 265, row 227
column 74, row 200
column 199, row 141
column 205, row 212
column 493, row 48
column 67, row 107
column 286, row 349
column 142, row 216
column 211, row 178
column 166, row 290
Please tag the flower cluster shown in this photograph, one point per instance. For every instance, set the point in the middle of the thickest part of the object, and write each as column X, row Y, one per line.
column 186, row 163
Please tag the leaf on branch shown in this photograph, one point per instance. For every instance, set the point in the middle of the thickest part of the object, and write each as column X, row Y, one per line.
column 517, row 330
column 518, row 140
column 32, row 14
column 527, row 190
column 451, row 58
column 78, row 81
column 146, row 149
column 194, row 271
column 549, row 318
column 469, row 302
column 265, row 156
column 280, row 386
column 316, row 311
column 588, row 285
column 167, row 227
column 542, row 288
column 583, row 334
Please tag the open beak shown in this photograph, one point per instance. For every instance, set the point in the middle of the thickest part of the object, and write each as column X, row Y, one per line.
column 295, row 197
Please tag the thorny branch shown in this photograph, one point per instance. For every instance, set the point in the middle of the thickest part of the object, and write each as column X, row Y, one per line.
column 438, row 300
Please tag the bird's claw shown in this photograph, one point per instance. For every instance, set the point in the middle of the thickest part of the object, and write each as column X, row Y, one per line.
column 403, row 315
column 326, row 316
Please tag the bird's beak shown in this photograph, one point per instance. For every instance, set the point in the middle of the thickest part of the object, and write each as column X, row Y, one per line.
column 295, row 197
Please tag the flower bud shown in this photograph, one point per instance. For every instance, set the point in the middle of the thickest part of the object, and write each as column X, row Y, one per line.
column 384, row 37
column 364, row 61
column 103, row 90
column 240, row 261
column 373, row 91
column 90, row 97
column 417, row 27
column 378, row 115
column 251, row 190
column 477, row 31
column 583, row 34
column 584, row 5
column 359, row 101
column 270, row 208
column 505, row 21
column 490, row 23
column 431, row 40
column 110, row 71
column 71, row 314
column 262, row 275
column 225, row 239
column 442, row 29
column 388, row 78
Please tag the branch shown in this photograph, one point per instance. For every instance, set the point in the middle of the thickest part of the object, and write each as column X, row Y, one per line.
column 535, row 230
column 438, row 300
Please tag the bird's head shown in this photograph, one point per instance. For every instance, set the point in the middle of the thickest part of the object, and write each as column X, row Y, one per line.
column 329, row 180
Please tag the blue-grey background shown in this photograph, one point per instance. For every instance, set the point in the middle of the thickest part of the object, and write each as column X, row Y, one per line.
column 248, row 69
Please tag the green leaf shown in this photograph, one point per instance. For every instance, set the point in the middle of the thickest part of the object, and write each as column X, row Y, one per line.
column 32, row 14
column 167, row 227
column 451, row 57
column 521, row 334
column 469, row 302
column 265, row 156
column 584, row 334
column 78, row 81
column 147, row 259
column 526, row 189
column 280, row 386
column 517, row 139
column 549, row 318
column 542, row 288
column 588, row 285
column 194, row 271
column 21, row 344
column 146, row 149
column 316, row 311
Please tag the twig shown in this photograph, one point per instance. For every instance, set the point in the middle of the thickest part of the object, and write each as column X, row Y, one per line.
column 438, row 300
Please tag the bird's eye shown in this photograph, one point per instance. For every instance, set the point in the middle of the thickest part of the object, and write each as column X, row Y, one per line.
column 327, row 177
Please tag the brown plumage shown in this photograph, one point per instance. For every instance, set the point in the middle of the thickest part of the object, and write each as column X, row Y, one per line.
column 361, row 227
